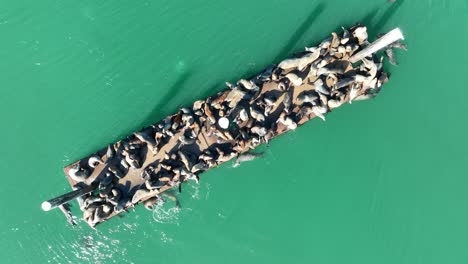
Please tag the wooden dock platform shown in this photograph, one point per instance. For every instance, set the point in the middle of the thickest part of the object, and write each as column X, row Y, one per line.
column 251, row 112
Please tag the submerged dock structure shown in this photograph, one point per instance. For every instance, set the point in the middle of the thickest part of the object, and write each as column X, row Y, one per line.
column 139, row 168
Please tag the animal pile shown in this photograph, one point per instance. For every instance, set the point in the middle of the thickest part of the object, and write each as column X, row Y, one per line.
column 139, row 168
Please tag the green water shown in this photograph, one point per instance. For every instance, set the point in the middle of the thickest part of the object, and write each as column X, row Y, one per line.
column 383, row 181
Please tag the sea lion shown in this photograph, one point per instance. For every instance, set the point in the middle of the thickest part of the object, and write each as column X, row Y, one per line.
column 78, row 174
column 246, row 157
column 65, row 208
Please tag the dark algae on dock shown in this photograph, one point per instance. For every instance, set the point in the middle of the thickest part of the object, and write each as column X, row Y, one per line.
column 139, row 168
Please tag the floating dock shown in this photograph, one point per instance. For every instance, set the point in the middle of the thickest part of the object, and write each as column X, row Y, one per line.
column 139, row 168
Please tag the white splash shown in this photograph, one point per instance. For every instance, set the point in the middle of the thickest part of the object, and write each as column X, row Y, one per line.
column 164, row 215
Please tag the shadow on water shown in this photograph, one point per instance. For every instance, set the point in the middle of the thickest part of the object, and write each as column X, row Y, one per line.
column 367, row 20
column 306, row 24
column 216, row 87
column 386, row 16
column 160, row 110
column 288, row 49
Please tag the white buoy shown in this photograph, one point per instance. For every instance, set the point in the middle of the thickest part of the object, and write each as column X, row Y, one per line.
column 223, row 123
column 46, row 206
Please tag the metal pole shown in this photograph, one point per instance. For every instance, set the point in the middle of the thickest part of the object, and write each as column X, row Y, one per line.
column 57, row 201
column 379, row 44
